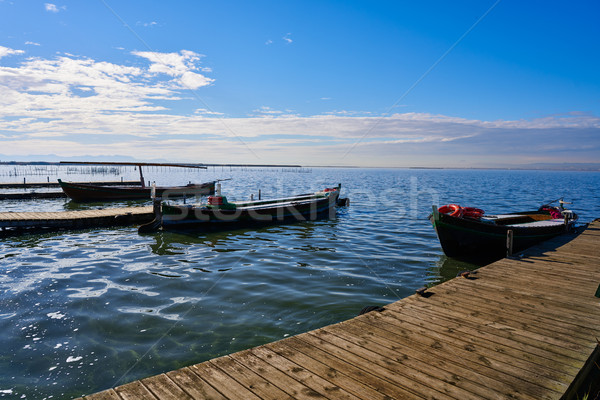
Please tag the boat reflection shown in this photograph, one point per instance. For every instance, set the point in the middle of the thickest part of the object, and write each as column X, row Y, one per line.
column 176, row 242
column 71, row 205
column 446, row 268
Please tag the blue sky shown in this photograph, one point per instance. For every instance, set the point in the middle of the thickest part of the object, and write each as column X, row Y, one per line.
column 367, row 83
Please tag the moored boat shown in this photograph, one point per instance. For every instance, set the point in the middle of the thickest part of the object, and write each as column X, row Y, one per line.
column 469, row 232
column 88, row 192
column 220, row 214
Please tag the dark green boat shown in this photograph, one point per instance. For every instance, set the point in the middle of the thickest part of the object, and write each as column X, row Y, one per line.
column 89, row 192
column 466, row 232
column 92, row 192
column 219, row 214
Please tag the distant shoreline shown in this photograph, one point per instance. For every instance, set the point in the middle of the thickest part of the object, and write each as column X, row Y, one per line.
column 573, row 167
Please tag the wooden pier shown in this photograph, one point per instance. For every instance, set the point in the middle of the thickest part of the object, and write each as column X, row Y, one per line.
column 33, row 195
column 29, row 185
column 48, row 195
column 518, row 328
column 33, row 221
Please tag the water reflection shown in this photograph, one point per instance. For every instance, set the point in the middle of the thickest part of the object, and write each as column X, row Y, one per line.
column 71, row 205
column 167, row 243
column 446, row 268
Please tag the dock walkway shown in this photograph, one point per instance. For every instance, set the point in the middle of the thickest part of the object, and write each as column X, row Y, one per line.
column 48, row 195
column 29, row 185
column 518, row 328
column 75, row 219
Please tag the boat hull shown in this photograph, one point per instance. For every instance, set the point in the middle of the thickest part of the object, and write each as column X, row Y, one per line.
column 466, row 238
column 256, row 214
column 86, row 192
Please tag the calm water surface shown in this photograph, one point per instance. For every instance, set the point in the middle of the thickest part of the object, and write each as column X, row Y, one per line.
column 86, row 310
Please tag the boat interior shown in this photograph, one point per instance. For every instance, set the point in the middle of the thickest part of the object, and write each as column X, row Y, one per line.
column 519, row 219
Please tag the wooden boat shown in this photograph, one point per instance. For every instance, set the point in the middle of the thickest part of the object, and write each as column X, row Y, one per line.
column 468, row 232
column 219, row 214
column 87, row 192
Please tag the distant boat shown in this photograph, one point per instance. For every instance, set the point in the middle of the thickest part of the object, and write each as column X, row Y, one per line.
column 468, row 232
column 219, row 214
column 88, row 192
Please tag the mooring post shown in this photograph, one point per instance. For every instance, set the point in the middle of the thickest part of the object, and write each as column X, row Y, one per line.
column 509, row 243
column 156, row 207
column 141, row 176
column 156, row 203
column 567, row 216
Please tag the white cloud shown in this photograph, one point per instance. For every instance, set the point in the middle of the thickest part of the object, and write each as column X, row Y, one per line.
column 287, row 38
column 264, row 110
column 178, row 65
column 310, row 140
column 147, row 24
column 32, row 43
column 69, row 94
column 5, row 51
column 204, row 111
column 51, row 7
column 72, row 106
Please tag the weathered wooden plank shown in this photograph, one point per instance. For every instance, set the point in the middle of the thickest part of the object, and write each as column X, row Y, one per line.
column 76, row 219
column 108, row 394
column 585, row 245
column 315, row 385
column 509, row 315
column 417, row 382
column 228, row 386
column 507, row 310
column 511, row 336
column 454, row 378
column 134, row 391
column 564, row 289
column 193, row 385
column 577, row 265
column 539, row 303
column 542, row 305
column 355, row 380
column 463, row 360
column 491, row 338
column 464, row 347
column 290, row 385
column 258, row 385
column 164, row 388
column 550, row 270
column 564, row 275
column 532, row 375
column 575, row 301
column 486, row 288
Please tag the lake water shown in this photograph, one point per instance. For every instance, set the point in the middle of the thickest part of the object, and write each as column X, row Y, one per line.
column 86, row 310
